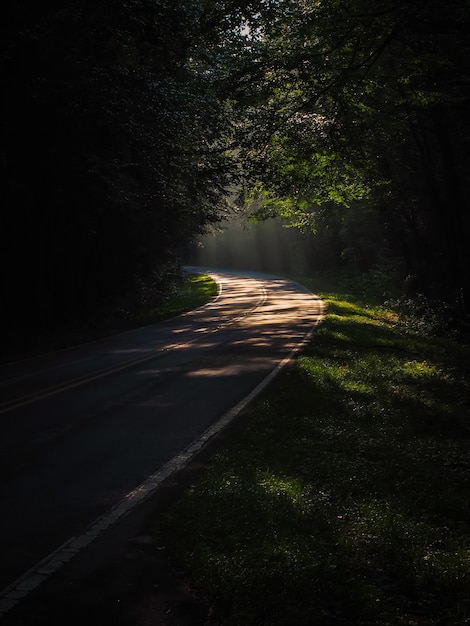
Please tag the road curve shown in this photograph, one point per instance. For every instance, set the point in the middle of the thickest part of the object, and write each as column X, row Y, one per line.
column 84, row 427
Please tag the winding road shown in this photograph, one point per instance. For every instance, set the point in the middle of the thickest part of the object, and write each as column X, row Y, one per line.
column 87, row 432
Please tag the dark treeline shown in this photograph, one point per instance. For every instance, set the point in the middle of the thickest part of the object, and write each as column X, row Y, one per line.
column 124, row 124
column 108, row 117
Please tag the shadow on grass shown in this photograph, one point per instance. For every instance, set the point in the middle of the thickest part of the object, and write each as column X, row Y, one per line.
column 345, row 498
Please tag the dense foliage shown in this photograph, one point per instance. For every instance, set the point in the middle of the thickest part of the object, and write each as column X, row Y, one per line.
column 124, row 124
column 358, row 129
column 112, row 154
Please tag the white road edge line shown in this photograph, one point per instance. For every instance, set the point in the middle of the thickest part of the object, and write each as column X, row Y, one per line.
column 39, row 573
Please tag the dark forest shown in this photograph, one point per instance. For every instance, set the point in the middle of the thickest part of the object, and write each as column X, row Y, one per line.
column 126, row 127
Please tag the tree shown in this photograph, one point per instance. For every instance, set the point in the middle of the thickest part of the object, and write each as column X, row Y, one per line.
column 114, row 151
column 361, row 105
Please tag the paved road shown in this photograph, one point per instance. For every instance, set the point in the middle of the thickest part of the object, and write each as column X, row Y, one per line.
column 81, row 428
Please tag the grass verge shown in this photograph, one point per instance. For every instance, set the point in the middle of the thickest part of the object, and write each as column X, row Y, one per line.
column 192, row 291
column 345, row 497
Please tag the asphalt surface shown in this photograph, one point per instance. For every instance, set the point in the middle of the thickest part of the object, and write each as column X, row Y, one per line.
column 84, row 427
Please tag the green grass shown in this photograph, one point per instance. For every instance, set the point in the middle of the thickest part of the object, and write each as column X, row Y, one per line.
column 191, row 292
column 345, row 496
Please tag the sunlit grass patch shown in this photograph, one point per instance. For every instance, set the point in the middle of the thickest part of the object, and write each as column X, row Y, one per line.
column 421, row 369
column 345, row 499
column 291, row 489
column 191, row 291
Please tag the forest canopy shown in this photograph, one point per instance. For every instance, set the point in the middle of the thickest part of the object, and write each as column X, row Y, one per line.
column 125, row 125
